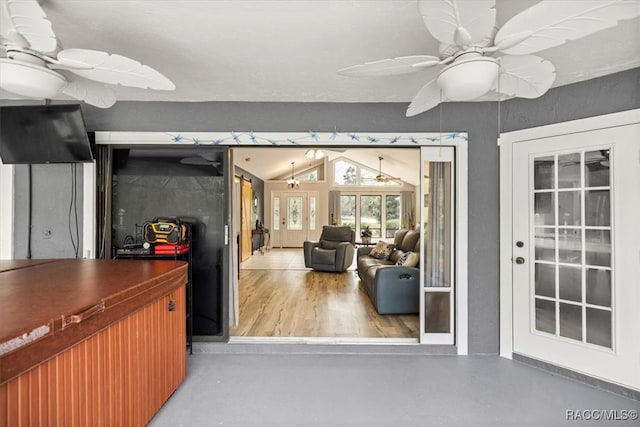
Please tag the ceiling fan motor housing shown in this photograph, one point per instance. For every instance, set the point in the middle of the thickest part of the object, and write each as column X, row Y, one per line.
column 467, row 79
column 30, row 80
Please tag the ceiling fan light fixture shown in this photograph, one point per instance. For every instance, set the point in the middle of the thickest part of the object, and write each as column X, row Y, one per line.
column 30, row 80
column 468, row 79
column 314, row 153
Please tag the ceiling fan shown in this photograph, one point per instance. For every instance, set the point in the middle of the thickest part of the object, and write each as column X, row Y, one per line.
column 381, row 178
column 35, row 66
column 478, row 62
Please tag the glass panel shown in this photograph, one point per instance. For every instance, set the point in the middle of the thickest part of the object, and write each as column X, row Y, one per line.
column 392, row 215
column 597, row 168
column 545, row 241
column 368, row 177
column 598, row 247
column 437, row 312
column 569, row 171
column 294, row 209
column 276, row 213
column 599, row 287
column 370, row 214
column 312, row 213
column 571, row 321
column 311, row 175
column 348, row 211
column 544, row 209
column 570, row 283
column 546, row 316
column 344, row 173
column 599, row 327
column 438, row 228
column 545, row 280
column 597, row 208
column 570, row 245
column 543, row 176
column 569, row 208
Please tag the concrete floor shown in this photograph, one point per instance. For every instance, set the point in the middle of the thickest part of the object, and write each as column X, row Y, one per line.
column 382, row 390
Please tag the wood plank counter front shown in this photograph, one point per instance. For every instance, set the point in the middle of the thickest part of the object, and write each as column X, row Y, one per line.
column 90, row 342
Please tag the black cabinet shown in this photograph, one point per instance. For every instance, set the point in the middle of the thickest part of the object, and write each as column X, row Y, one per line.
column 178, row 254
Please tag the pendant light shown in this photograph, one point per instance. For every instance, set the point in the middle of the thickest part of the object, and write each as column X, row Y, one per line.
column 293, row 183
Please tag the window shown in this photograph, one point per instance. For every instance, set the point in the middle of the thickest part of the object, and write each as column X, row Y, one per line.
column 312, row 213
column 311, row 175
column 371, row 214
column 392, row 215
column 348, row 211
column 344, row 173
column 350, row 174
column 276, row 213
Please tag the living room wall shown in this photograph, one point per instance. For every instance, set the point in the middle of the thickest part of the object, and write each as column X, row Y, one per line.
column 617, row 92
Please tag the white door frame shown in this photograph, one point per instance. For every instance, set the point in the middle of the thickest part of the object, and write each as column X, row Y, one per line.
column 328, row 139
column 506, row 142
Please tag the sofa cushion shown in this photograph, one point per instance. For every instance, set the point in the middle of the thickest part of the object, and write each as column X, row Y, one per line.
column 409, row 259
column 410, row 240
column 381, row 250
column 329, row 244
column 396, row 255
column 397, row 238
column 324, row 256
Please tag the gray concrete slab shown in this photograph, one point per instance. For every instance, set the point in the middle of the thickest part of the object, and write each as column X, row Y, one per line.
column 383, row 390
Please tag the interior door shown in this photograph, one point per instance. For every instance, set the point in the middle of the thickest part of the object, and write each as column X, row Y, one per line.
column 576, row 252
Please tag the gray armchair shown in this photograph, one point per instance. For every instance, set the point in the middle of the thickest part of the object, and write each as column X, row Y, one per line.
column 334, row 251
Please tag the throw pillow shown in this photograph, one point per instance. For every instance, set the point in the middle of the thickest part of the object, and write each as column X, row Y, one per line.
column 409, row 259
column 381, row 250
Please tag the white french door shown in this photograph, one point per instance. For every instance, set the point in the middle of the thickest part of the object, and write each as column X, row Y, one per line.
column 576, row 251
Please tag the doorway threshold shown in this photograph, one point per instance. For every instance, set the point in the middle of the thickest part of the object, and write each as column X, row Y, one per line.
column 323, row 345
column 324, row 340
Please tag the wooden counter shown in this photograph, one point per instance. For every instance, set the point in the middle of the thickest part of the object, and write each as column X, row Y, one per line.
column 90, row 342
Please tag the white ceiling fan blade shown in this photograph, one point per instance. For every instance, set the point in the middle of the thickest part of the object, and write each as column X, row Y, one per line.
column 428, row 97
column 493, row 95
column 389, row 67
column 92, row 93
column 31, row 24
column 112, row 69
column 458, row 22
column 200, row 161
column 526, row 76
column 551, row 23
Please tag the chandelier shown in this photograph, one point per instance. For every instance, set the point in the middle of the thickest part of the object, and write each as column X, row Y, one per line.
column 293, row 183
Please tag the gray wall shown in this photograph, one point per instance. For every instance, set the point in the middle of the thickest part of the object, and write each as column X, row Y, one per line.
column 257, row 186
column 50, row 228
column 613, row 93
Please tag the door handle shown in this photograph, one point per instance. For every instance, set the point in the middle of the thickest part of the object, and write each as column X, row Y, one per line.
column 519, row 260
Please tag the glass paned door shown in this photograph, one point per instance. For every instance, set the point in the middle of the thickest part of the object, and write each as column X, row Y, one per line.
column 575, row 251
column 572, row 245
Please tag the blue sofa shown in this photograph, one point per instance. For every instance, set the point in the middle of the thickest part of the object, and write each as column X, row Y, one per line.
column 392, row 289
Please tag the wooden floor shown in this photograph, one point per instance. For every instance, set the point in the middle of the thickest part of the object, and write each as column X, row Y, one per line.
column 281, row 298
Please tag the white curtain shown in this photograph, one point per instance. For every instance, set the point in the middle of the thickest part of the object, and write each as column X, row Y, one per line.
column 438, row 230
column 407, row 208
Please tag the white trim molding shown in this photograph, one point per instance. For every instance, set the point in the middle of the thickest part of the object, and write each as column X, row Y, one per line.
column 458, row 140
column 6, row 210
